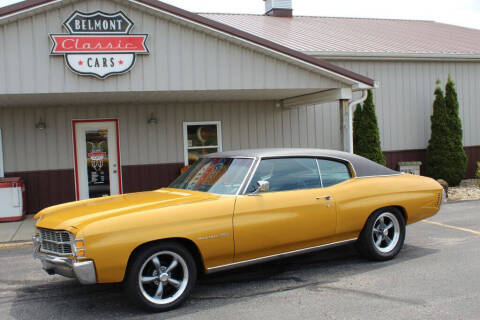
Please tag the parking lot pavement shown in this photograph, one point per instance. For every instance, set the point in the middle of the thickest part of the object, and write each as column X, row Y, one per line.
column 17, row 231
column 435, row 276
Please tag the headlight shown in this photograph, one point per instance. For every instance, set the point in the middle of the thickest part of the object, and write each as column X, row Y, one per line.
column 79, row 248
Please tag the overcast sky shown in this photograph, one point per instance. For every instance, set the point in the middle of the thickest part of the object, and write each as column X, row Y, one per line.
column 459, row 12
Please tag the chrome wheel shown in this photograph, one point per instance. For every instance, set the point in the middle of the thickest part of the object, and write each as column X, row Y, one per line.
column 386, row 232
column 163, row 277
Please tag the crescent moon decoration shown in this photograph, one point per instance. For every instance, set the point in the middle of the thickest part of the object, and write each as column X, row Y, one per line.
column 199, row 136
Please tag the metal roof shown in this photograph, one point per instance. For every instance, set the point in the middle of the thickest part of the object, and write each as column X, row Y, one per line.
column 362, row 166
column 20, row 7
column 330, row 36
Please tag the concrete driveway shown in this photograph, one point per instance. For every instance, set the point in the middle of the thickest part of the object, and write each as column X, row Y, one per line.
column 436, row 276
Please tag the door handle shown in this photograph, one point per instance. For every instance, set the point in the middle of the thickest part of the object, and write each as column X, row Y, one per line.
column 324, row 197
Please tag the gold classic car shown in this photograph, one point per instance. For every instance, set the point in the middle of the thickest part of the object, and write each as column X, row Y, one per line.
column 228, row 210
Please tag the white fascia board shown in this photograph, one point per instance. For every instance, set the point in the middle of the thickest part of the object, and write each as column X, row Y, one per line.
column 393, row 56
column 325, row 72
column 318, row 98
column 362, row 86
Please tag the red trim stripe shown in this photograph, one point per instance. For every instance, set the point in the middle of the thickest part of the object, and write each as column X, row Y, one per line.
column 77, row 192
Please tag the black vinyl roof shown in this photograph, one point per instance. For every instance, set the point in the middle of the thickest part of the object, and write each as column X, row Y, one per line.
column 362, row 166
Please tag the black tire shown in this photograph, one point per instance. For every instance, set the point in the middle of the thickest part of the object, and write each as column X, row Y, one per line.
column 373, row 242
column 177, row 283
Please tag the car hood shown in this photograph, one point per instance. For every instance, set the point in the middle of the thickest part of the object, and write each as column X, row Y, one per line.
column 75, row 214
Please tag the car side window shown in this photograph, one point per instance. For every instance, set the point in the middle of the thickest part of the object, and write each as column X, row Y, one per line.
column 285, row 174
column 333, row 172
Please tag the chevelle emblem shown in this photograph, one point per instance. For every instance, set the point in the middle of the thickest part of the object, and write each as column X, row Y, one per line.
column 99, row 44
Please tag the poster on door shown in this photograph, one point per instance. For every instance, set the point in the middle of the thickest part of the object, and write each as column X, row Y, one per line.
column 97, row 163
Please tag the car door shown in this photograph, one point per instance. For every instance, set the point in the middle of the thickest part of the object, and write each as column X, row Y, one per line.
column 295, row 213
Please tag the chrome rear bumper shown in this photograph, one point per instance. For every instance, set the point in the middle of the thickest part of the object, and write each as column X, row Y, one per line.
column 83, row 271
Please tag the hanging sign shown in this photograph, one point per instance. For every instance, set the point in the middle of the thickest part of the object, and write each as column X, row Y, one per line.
column 99, row 44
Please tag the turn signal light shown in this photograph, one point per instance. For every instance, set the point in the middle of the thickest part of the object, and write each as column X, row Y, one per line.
column 80, row 248
column 79, row 244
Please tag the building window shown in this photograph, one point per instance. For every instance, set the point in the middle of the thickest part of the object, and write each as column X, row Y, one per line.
column 201, row 138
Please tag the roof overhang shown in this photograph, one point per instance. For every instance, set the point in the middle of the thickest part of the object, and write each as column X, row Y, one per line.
column 318, row 97
column 357, row 81
column 148, row 97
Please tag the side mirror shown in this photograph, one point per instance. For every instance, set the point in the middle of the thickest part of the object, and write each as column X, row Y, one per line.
column 262, row 186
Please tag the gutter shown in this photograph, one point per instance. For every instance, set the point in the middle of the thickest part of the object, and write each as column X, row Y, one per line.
column 351, row 105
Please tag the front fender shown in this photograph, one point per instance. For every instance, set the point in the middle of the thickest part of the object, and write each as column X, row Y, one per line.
column 110, row 242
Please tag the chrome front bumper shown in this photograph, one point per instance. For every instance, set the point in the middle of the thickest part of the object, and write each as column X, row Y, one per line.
column 83, row 271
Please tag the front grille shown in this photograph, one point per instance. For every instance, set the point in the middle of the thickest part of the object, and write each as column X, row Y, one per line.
column 56, row 242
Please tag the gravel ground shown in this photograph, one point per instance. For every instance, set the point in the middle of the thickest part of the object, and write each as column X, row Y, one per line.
column 468, row 189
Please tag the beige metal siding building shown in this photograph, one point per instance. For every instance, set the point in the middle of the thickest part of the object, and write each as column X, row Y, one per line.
column 196, row 86
column 104, row 97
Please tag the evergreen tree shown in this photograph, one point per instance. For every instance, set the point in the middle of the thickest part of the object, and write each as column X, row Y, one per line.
column 357, row 121
column 456, row 153
column 366, row 137
column 437, row 161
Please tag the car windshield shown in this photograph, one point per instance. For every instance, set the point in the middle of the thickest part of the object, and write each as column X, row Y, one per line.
column 214, row 175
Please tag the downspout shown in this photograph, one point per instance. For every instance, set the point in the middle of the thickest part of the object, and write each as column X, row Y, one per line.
column 351, row 105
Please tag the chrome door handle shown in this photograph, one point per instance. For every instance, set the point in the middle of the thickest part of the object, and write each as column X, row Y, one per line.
column 324, row 197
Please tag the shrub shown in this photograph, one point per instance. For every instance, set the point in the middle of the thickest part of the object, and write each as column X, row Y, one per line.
column 437, row 145
column 446, row 158
column 366, row 137
column 456, row 153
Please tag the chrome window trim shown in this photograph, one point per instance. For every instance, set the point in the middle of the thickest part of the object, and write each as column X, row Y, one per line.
column 256, row 161
column 242, row 185
column 278, row 256
column 347, row 163
column 317, row 160
column 250, row 175
column 381, row 175
column 300, row 155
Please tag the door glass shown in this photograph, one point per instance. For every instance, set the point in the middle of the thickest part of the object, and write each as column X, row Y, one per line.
column 333, row 172
column 98, row 173
column 285, row 174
